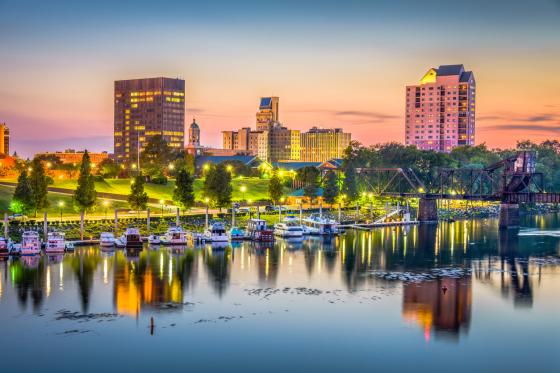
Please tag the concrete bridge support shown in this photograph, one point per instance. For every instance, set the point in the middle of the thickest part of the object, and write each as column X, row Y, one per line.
column 509, row 215
column 427, row 210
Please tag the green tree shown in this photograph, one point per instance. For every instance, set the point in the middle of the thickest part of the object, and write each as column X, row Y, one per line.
column 309, row 177
column 184, row 190
column 85, row 194
column 331, row 189
column 108, row 168
column 138, row 198
column 217, row 186
column 38, row 182
column 349, row 185
column 275, row 188
column 22, row 201
column 156, row 156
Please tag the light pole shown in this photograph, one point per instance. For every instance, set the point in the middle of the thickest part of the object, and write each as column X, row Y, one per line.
column 243, row 189
column 105, row 204
column 60, row 205
column 161, row 202
column 207, row 200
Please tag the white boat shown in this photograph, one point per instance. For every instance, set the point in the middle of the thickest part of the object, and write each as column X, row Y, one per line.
column 55, row 242
column 4, row 250
column 174, row 236
column 107, row 239
column 321, row 225
column 236, row 233
column 30, row 243
column 216, row 233
column 130, row 239
column 289, row 228
column 154, row 239
column 257, row 230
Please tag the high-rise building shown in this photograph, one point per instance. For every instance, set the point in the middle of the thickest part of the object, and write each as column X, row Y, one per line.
column 322, row 144
column 268, row 113
column 278, row 143
column 4, row 139
column 440, row 111
column 145, row 108
column 243, row 139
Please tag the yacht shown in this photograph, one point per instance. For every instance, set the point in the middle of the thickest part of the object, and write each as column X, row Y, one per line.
column 321, row 225
column 30, row 243
column 130, row 239
column 289, row 228
column 154, row 239
column 216, row 233
column 107, row 239
column 55, row 242
column 4, row 250
column 174, row 236
column 257, row 230
column 236, row 233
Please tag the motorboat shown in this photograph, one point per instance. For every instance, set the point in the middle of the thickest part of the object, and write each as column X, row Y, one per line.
column 236, row 233
column 322, row 225
column 14, row 248
column 216, row 233
column 4, row 250
column 310, row 230
column 289, row 228
column 174, row 236
column 107, row 239
column 257, row 230
column 30, row 243
column 130, row 238
column 154, row 239
column 70, row 246
column 55, row 242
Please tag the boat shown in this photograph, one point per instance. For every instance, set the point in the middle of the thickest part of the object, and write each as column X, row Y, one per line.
column 154, row 239
column 310, row 230
column 70, row 246
column 257, row 230
column 216, row 233
column 322, row 225
column 130, row 238
column 236, row 233
column 4, row 250
column 107, row 239
column 55, row 242
column 289, row 228
column 14, row 248
column 30, row 243
column 174, row 236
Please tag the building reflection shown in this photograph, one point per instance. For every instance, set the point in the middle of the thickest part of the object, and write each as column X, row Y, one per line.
column 441, row 307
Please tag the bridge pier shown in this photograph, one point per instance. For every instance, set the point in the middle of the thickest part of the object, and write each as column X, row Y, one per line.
column 427, row 210
column 509, row 215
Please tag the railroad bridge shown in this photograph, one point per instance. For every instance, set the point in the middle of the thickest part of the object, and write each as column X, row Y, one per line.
column 511, row 181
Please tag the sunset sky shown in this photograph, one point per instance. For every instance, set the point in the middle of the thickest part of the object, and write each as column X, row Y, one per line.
column 332, row 63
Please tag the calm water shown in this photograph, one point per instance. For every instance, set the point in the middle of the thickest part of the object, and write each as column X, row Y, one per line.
column 459, row 297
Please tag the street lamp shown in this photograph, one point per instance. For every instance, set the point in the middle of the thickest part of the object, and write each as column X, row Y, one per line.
column 105, row 204
column 161, row 202
column 60, row 206
column 243, row 189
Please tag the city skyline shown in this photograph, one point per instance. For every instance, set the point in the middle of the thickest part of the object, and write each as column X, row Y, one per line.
column 58, row 76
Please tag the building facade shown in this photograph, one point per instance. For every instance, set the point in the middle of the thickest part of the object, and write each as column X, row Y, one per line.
column 4, row 139
column 145, row 108
column 193, row 146
column 71, row 156
column 278, row 143
column 322, row 144
column 244, row 139
column 268, row 113
column 440, row 111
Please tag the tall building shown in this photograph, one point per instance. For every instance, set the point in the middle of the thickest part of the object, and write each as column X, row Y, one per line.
column 243, row 139
column 440, row 111
column 145, row 108
column 322, row 144
column 268, row 113
column 278, row 143
column 4, row 139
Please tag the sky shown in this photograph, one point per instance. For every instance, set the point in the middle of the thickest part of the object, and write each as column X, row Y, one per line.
column 332, row 63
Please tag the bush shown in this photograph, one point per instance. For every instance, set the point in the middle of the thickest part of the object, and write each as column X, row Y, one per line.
column 98, row 178
column 50, row 180
column 160, row 180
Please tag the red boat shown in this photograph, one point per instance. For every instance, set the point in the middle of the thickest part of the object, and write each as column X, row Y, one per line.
column 257, row 230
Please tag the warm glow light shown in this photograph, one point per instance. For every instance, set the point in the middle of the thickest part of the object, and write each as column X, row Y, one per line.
column 171, row 166
column 161, row 201
column 243, row 189
column 60, row 203
column 105, row 203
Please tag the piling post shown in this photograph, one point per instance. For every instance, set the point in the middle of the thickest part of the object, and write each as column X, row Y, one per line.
column 509, row 215
column 427, row 210
column 45, row 227
column 116, row 222
column 300, row 213
column 148, row 220
column 81, row 224
column 6, row 222
column 178, row 217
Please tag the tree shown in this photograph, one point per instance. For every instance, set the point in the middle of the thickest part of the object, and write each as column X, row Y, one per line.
column 275, row 188
column 138, row 198
column 38, row 182
column 217, row 186
column 330, row 188
column 184, row 191
column 156, row 156
column 309, row 176
column 108, row 168
column 22, row 201
column 85, row 194
column 349, row 185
